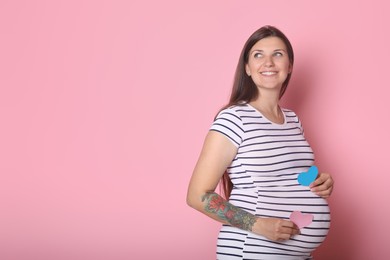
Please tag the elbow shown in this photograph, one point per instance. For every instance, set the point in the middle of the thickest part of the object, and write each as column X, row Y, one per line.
column 194, row 200
column 190, row 201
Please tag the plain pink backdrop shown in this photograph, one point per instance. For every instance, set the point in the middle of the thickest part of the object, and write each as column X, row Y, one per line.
column 104, row 106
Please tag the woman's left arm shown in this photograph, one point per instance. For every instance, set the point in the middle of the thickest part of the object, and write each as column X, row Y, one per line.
column 323, row 185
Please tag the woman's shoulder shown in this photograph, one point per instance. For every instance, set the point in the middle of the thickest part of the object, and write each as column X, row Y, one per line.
column 291, row 116
column 235, row 110
column 288, row 112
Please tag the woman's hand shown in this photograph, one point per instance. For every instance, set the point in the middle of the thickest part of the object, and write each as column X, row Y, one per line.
column 275, row 229
column 323, row 185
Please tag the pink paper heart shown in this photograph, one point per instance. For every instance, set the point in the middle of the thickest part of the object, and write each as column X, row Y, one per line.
column 301, row 219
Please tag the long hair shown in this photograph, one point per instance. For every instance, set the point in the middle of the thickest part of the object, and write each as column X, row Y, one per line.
column 244, row 89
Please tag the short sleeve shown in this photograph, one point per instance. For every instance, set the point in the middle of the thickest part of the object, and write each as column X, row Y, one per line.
column 229, row 124
column 293, row 119
column 300, row 125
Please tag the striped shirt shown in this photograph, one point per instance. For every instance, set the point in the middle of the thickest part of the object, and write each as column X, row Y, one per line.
column 264, row 174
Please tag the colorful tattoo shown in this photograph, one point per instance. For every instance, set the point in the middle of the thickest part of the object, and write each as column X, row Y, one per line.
column 228, row 212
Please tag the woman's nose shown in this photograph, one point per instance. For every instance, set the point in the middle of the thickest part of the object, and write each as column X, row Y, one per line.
column 269, row 62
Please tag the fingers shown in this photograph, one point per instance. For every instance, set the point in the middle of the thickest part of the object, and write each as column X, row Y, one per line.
column 323, row 185
column 325, row 193
column 286, row 230
column 322, row 177
column 290, row 226
column 276, row 229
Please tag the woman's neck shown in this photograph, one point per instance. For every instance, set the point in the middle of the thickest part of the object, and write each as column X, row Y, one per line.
column 268, row 105
column 267, row 102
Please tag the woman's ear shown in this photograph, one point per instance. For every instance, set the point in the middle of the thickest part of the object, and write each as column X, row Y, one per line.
column 290, row 69
column 247, row 70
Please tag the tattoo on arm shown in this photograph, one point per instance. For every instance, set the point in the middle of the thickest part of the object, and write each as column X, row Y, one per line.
column 226, row 211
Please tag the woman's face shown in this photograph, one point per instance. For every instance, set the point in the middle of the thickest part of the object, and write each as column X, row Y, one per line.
column 268, row 64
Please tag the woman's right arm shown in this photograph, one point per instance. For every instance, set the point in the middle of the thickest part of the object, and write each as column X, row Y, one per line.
column 216, row 155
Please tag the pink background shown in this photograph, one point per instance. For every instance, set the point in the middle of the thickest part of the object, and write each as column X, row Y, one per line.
column 104, row 106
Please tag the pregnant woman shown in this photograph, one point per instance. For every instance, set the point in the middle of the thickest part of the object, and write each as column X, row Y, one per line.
column 257, row 150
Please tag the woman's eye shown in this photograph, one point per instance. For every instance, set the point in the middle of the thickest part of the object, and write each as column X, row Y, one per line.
column 278, row 54
column 258, row 55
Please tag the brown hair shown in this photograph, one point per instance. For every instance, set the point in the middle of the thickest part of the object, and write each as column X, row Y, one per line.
column 244, row 89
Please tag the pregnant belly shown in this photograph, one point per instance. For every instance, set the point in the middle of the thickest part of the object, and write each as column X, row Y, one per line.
column 280, row 202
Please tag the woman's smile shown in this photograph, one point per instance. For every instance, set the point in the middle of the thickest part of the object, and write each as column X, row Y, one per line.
column 268, row 73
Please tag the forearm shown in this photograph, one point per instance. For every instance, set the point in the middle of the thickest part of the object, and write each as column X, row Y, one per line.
column 220, row 209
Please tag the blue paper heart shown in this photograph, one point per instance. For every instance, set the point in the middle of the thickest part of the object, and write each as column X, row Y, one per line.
column 306, row 178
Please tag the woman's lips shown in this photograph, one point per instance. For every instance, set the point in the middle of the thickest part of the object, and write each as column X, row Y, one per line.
column 268, row 73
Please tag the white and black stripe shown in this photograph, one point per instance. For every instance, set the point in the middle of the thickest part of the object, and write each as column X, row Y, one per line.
column 264, row 174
